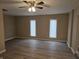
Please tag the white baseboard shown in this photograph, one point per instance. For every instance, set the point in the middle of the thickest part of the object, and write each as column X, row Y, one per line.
column 22, row 37
column 41, row 39
column 68, row 45
column 73, row 51
column 10, row 38
column 2, row 51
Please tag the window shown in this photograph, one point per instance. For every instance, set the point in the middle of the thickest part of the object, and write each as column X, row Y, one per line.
column 53, row 28
column 32, row 27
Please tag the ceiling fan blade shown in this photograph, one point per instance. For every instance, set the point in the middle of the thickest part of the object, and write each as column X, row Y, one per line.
column 39, row 7
column 40, row 3
column 4, row 9
column 25, row 1
column 22, row 7
column 46, row 5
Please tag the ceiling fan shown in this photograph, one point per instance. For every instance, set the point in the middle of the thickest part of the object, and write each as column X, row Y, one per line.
column 32, row 5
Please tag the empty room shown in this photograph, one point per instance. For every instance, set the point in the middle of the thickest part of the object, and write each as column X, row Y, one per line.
column 39, row 29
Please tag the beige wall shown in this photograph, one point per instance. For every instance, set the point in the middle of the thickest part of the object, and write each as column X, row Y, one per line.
column 2, row 46
column 22, row 25
column 62, row 30
column 74, row 40
column 9, row 24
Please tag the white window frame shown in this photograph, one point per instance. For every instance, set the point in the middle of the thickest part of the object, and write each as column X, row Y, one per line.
column 32, row 30
column 53, row 31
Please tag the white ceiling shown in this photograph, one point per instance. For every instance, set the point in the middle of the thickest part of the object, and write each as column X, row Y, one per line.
column 57, row 7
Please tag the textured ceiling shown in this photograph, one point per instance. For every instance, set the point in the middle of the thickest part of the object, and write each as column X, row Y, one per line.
column 57, row 7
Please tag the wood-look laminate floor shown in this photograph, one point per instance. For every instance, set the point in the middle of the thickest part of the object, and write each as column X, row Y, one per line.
column 36, row 49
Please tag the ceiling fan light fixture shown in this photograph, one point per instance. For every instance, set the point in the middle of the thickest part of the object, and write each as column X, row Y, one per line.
column 32, row 9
